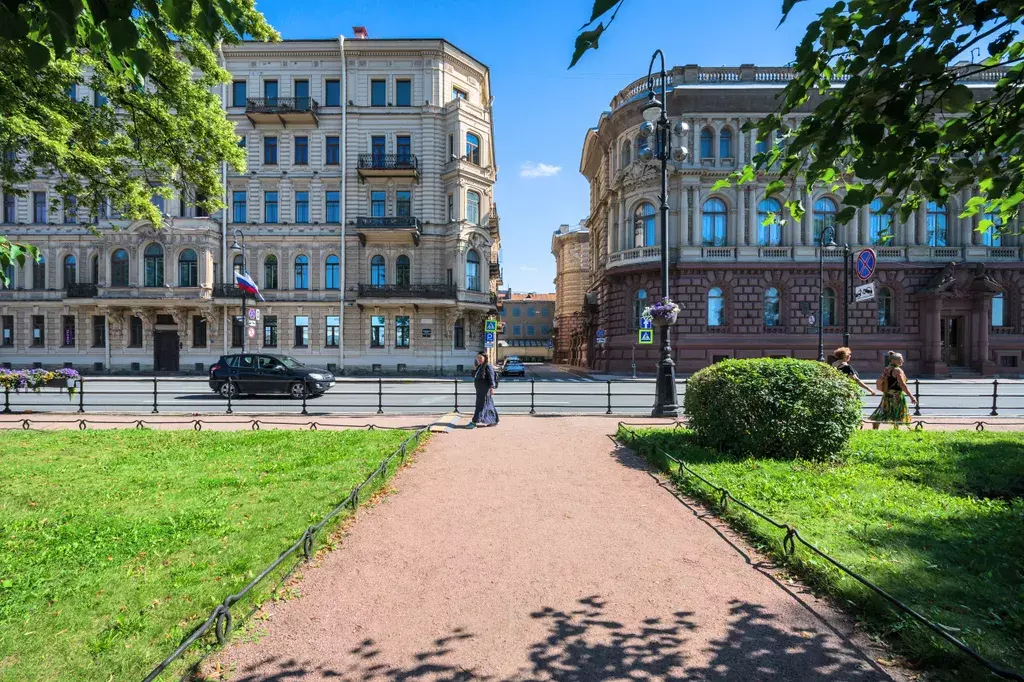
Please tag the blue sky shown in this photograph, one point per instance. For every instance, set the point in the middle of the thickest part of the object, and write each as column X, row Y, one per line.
column 541, row 110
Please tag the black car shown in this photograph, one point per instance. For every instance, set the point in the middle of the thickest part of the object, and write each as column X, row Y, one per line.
column 252, row 373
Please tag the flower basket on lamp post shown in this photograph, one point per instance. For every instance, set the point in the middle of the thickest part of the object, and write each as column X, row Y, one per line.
column 663, row 313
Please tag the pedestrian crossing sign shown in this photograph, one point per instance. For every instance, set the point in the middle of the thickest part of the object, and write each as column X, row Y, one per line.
column 491, row 326
column 646, row 336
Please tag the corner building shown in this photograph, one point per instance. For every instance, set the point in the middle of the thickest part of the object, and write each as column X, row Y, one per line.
column 365, row 216
column 949, row 298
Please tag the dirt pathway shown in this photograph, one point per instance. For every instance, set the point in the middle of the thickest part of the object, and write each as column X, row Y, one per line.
column 539, row 550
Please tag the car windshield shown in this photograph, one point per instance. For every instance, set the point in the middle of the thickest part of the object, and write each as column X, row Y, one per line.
column 291, row 363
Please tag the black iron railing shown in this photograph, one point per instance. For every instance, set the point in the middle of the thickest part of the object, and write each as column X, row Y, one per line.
column 386, row 222
column 388, row 162
column 81, row 290
column 407, row 290
column 223, row 290
column 281, row 105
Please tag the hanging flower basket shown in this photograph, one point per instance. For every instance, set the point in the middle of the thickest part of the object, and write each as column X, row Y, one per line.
column 663, row 313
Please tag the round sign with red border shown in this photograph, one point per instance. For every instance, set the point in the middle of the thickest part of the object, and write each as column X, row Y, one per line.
column 865, row 264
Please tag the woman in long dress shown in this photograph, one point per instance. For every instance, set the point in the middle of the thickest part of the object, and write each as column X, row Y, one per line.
column 484, row 382
column 893, row 408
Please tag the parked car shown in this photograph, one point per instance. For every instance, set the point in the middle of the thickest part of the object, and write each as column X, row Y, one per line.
column 513, row 367
column 252, row 373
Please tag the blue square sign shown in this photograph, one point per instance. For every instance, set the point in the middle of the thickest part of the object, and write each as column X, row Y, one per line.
column 646, row 323
column 646, row 336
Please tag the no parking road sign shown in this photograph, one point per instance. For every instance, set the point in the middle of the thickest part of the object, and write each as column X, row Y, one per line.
column 866, row 260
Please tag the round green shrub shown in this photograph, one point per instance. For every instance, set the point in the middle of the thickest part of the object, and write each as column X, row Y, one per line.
column 775, row 408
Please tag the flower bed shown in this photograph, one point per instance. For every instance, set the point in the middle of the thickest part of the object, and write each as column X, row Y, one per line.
column 35, row 379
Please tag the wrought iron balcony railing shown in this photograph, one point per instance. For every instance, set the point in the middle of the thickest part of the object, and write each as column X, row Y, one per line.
column 388, row 162
column 226, row 290
column 387, row 222
column 407, row 290
column 281, row 105
column 81, row 290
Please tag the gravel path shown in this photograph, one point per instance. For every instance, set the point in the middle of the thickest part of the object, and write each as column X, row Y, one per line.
column 540, row 550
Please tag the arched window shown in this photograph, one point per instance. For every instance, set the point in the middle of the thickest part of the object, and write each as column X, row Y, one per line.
column 828, row 308
column 95, row 269
column 714, row 222
column 473, row 271
column 881, row 223
column 119, row 268
column 886, row 311
column 707, row 146
column 403, row 271
column 716, row 307
column 626, row 155
column 472, row 148
column 270, row 272
column 938, row 219
column 153, row 258
column 188, row 269
column 761, row 147
column 824, row 216
column 639, row 305
column 70, row 270
column 301, row 272
column 772, row 307
column 992, row 236
column 725, row 144
column 643, row 225
column 473, row 207
column 332, row 273
column 238, row 264
column 769, row 232
column 378, row 271
column 999, row 311
column 39, row 273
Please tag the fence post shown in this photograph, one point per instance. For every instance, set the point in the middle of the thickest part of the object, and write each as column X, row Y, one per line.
column 229, row 400
column 995, row 397
column 7, row 399
column 456, row 393
column 917, row 398
column 380, row 395
column 532, row 411
column 154, row 396
column 305, row 392
column 609, row 397
column 81, row 394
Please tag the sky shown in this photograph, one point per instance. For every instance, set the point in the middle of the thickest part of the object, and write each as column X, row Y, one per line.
column 542, row 111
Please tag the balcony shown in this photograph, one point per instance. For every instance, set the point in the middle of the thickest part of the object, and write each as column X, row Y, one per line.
column 388, row 229
column 81, row 290
column 643, row 254
column 388, row 166
column 431, row 291
column 225, row 290
column 496, row 272
column 283, row 110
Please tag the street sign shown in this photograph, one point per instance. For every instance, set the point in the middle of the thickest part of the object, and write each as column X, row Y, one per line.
column 489, row 337
column 600, row 333
column 426, row 333
column 811, row 319
column 646, row 323
column 491, row 326
column 251, row 323
column 865, row 292
column 866, row 260
column 251, row 332
column 646, row 336
column 551, row 344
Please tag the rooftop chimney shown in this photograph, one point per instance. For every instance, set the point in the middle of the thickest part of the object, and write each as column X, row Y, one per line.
column 360, row 32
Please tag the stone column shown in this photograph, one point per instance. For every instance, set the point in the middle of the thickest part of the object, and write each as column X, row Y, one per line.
column 685, row 233
column 739, row 144
column 864, row 221
column 752, row 225
column 695, row 226
column 739, row 232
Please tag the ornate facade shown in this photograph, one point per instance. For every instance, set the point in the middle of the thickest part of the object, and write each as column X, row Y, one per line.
column 949, row 297
column 574, row 340
column 365, row 216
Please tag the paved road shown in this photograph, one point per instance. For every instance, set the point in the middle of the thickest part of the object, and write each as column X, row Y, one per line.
column 550, row 390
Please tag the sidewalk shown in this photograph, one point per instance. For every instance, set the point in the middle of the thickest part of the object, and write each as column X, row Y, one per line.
column 541, row 550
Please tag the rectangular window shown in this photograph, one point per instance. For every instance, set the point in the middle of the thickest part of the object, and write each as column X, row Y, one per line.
column 302, row 207
column 98, row 98
column 451, row 207
column 301, row 150
column 270, row 93
column 301, row 331
column 198, row 331
column 998, row 311
column 333, row 331
column 9, row 215
column 517, row 330
column 332, row 92
column 238, row 94
column 458, row 94
column 544, row 312
column 545, row 330
column 460, row 334
column 530, row 312
column 8, row 330
column 377, row 331
column 378, row 148
column 516, row 312
column 531, row 330
column 378, row 93
column 70, row 210
column 270, row 207
column 333, row 207
column 377, row 204
column 403, row 203
column 402, row 331
column 238, row 210
column 270, row 150
column 38, row 330
column 451, row 148
column 39, row 275
column 67, row 336
column 270, row 331
column 302, row 95
column 72, row 92
column 333, row 151
column 39, row 207
column 403, row 93
column 404, row 148
column 237, row 331
column 135, row 331
column 99, row 331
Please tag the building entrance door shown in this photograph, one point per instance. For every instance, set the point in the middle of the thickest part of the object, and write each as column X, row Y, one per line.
column 951, row 341
column 165, row 351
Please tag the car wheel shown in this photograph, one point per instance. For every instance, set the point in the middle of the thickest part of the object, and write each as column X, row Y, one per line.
column 228, row 390
column 297, row 390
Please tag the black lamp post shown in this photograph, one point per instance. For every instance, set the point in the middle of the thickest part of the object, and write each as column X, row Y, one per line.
column 829, row 232
column 239, row 235
column 656, row 125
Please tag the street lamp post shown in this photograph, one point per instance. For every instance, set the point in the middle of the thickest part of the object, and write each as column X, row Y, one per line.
column 656, row 125
column 236, row 246
column 828, row 231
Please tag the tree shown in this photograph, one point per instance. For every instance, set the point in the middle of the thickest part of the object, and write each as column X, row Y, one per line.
column 156, row 125
column 894, row 116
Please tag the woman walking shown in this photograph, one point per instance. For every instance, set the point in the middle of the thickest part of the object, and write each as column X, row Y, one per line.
column 842, row 363
column 893, row 384
column 484, row 382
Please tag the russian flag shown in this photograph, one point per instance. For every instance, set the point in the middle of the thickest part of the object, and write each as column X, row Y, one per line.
column 244, row 282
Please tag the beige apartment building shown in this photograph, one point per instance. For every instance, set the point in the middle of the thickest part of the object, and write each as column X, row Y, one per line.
column 365, row 216
column 526, row 325
column 570, row 245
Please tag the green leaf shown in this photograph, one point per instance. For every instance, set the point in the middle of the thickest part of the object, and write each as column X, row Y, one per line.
column 787, row 7
column 600, row 7
column 774, row 187
column 123, row 35
column 12, row 25
column 36, row 54
column 957, row 99
column 142, row 61
column 724, row 183
column 586, row 41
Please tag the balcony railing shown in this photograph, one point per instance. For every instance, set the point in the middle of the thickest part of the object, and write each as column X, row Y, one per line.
column 388, row 162
column 282, row 110
column 387, row 222
column 81, row 290
column 226, row 290
column 407, row 291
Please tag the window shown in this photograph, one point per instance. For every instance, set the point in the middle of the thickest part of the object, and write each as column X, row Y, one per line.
column 725, row 144
column 72, row 92
column 378, row 204
column 378, row 147
column 332, row 92
column 992, row 236
column 881, row 223
column 333, row 331
column 544, row 330
column 531, row 330
column 707, row 144
column 714, row 226
column 403, row 203
column 545, row 312
column 378, row 93
column 473, row 207
column 824, row 217
column 39, row 207
column 99, row 331
column 302, row 207
column 198, row 331
column 239, row 214
column 302, row 95
column 761, row 147
column 626, row 154
column 998, row 311
column 937, row 224
column 119, row 268
column 8, row 330
column 377, row 331
column 459, row 334
column 459, row 94
column 67, row 330
column 404, row 149
column 270, row 207
column 473, row 271
column 188, row 269
column 716, row 307
column 9, row 212
column 270, row 331
column 772, row 307
column 401, row 331
column 39, row 273
column 769, row 232
column 451, row 207
column 639, row 305
column 135, row 331
column 516, row 312
column 302, row 330
column 238, row 93
column 301, row 150
column 333, row 207
column 237, row 264
column 378, row 274
column 270, row 150
column 643, row 225
column 332, row 273
column 95, row 269
column 237, row 331
column 333, row 149
column 98, row 98
column 828, row 308
column 9, row 274
column 886, row 312
column 530, row 312
column 301, row 272
column 70, row 270
column 402, row 271
column 70, row 210
column 153, row 258
column 472, row 148
column 270, row 93
column 403, row 93
column 517, row 330
column 38, row 330
column 270, row 272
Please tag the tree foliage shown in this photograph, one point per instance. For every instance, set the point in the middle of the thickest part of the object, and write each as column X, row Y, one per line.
column 896, row 118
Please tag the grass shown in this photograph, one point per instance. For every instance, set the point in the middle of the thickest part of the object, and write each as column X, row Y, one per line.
column 934, row 518
column 116, row 544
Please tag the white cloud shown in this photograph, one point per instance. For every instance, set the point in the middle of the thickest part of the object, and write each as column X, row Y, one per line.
column 527, row 268
column 531, row 170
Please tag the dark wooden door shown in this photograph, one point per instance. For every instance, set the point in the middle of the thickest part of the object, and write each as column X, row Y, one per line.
column 165, row 351
column 952, row 341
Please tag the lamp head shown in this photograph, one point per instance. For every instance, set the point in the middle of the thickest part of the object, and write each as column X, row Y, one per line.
column 645, row 153
column 652, row 110
column 646, row 129
column 679, row 154
column 681, row 128
column 235, row 246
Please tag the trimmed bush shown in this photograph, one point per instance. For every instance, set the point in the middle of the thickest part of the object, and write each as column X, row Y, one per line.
column 776, row 408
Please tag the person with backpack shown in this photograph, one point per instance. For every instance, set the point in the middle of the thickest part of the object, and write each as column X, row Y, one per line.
column 842, row 363
column 485, row 380
column 893, row 384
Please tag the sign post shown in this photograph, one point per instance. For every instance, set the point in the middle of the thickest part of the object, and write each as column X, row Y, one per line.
column 646, row 332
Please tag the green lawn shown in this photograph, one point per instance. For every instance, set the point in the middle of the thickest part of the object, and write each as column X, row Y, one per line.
column 934, row 518
column 116, row 544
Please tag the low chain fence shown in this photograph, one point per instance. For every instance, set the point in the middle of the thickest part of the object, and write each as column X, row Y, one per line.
column 83, row 423
column 789, row 543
